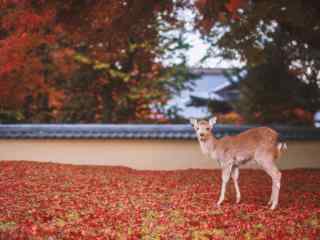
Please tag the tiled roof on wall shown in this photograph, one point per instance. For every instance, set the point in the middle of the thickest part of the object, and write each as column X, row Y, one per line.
column 135, row 131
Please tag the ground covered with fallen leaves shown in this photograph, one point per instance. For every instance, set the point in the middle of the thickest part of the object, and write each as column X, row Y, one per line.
column 55, row 201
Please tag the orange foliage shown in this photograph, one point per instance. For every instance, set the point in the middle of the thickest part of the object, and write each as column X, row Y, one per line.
column 231, row 118
column 303, row 115
column 40, row 39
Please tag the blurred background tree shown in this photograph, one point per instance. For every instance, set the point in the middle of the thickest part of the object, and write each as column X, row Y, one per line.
column 270, row 92
column 89, row 61
column 279, row 44
column 106, row 61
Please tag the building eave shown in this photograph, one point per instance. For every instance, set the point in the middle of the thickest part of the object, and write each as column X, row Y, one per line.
column 207, row 71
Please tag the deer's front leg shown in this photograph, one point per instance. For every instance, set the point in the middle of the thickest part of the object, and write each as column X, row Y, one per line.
column 226, row 172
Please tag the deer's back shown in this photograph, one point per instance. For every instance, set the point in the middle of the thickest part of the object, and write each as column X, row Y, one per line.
column 244, row 145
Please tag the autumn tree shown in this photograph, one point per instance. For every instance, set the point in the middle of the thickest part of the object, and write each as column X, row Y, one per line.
column 246, row 30
column 88, row 61
column 271, row 93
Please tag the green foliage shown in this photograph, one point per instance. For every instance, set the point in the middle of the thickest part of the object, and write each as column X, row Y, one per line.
column 279, row 43
column 7, row 116
column 270, row 93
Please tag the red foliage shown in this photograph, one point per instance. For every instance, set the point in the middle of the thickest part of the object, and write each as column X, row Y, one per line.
column 212, row 11
column 303, row 115
column 54, row 201
column 234, row 5
column 45, row 42
column 21, row 66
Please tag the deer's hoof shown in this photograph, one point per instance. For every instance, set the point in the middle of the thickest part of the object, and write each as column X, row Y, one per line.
column 217, row 205
column 273, row 207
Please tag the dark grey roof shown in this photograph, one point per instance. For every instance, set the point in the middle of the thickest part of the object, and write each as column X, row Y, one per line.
column 134, row 131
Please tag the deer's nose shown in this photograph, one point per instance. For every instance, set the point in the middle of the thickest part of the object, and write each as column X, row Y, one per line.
column 201, row 134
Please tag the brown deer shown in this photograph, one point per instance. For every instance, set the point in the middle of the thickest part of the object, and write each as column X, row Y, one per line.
column 259, row 144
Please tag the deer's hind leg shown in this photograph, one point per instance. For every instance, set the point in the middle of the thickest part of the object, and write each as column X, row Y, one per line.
column 267, row 163
column 235, row 178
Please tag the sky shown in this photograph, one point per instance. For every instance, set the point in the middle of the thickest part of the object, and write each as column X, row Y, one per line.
column 199, row 46
column 198, row 51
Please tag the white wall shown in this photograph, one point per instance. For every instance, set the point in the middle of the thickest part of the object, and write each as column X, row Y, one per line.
column 141, row 154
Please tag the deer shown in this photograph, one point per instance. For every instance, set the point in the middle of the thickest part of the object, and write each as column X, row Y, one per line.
column 259, row 144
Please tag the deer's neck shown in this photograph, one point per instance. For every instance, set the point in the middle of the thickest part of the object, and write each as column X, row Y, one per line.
column 209, row 145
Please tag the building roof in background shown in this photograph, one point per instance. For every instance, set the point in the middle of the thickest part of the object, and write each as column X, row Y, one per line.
column 206, row 80
column 222, row 87
column 135, row 131
column 225, row 91
column 207, row 71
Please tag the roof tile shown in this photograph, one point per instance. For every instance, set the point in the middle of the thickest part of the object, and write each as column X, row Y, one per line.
column 136, row 131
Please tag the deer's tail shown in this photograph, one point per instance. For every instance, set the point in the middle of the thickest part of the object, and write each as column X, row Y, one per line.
column 281, row 148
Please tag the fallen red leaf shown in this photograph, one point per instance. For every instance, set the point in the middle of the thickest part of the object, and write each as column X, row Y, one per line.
column 55, row 201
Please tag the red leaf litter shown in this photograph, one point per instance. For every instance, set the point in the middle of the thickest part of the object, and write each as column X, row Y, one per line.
column 56, row 201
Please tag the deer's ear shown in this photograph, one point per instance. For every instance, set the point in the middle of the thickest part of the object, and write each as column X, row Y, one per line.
column 212, row 121
column 193, row 122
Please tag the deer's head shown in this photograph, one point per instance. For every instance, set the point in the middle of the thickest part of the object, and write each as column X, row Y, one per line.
column 203, row 128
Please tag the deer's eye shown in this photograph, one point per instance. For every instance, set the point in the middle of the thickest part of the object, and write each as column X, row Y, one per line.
column 208, row 129
column 197, row 128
